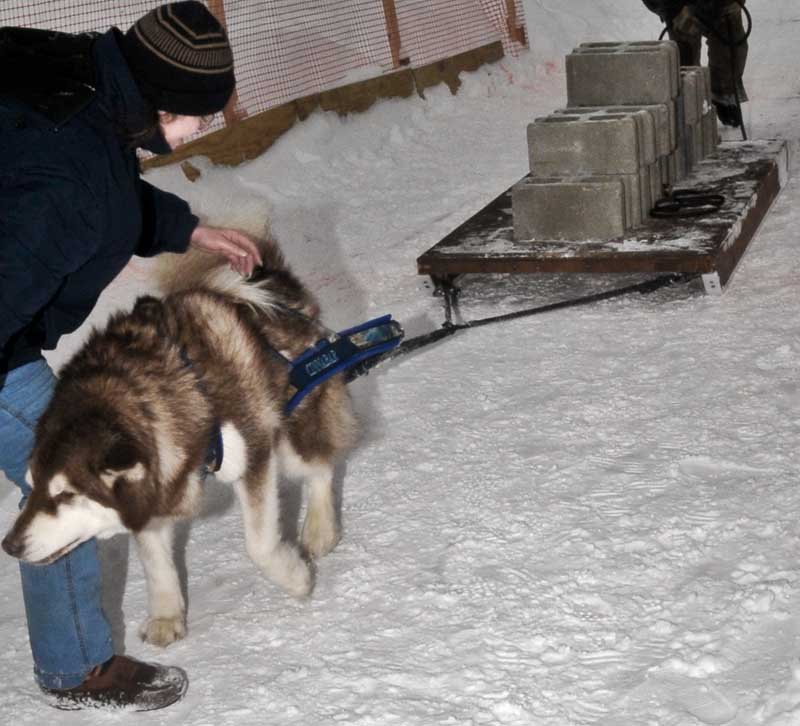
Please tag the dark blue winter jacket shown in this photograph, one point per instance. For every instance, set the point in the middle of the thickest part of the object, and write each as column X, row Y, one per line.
column 73, row 209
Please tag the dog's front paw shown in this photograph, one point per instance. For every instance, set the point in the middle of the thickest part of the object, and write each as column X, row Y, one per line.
column 320, row 535
column 287, row 568
column 163, row 631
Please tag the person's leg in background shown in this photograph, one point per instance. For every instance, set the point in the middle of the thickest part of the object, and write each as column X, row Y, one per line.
column 727, row 56
column 685, row 30
column 69, row 634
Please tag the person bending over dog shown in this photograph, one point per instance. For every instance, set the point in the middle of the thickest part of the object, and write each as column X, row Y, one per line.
column 73, row 211
column 720, row 21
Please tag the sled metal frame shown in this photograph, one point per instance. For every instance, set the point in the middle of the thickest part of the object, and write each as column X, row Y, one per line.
column 749, row 174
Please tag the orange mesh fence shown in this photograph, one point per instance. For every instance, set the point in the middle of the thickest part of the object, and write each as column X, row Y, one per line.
column 507, row 16
column 435, row 29
column 287, row 49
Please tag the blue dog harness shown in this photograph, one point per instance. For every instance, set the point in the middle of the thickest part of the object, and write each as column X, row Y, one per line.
column 340, row 352
column 328, row 356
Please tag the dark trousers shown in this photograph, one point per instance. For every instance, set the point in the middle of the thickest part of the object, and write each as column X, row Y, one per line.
column 726, row 63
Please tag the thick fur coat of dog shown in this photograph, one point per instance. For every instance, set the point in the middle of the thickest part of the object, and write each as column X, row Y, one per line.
column 121, row 446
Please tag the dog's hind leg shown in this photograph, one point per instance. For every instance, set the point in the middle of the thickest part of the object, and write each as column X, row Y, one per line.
column 167, row 612
column 280, row 561
column 321, row 531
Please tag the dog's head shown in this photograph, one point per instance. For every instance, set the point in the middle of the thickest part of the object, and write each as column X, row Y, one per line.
column 88, row 479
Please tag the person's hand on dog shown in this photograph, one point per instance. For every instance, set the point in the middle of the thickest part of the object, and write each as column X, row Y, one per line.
column 240, row 251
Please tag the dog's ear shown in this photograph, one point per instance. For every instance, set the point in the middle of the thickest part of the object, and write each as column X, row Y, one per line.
column 122, row 458
column 134, row 474
column 120, row 454
column 125, row 474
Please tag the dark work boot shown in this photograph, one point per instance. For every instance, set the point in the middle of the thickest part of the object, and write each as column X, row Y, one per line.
column 728, row 114
column 123, row 683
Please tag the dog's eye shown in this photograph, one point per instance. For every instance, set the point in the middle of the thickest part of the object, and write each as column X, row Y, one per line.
column 63, row 498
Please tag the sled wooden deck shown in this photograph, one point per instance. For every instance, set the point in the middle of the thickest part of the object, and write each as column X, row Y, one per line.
column 749, row 175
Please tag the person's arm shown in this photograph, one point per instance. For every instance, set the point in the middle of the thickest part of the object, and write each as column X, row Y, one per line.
column 167, row 222
column 49, row 227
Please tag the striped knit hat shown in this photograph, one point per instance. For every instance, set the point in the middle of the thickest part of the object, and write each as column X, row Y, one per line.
column 181, row 60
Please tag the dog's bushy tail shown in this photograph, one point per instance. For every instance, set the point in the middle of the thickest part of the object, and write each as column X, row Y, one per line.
column 271, row 288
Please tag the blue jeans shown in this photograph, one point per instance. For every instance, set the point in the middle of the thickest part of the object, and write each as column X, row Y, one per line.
column 69, row 634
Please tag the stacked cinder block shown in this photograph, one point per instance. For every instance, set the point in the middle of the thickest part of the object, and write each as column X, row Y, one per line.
column 635, row 123
column 665, row 130
column 620, row 145
column 699, row 118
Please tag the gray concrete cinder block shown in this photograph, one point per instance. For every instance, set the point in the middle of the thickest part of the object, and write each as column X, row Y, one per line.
column 693, row 146
column 598, row 144
column 688, row 151
column 680, row 159
column 635, row 195
column 693, row 92
column 677, row 162
column 638, row 196
column 714, row 128
column 571, row 144
column 707, row 98
column 585, row 144
column 710, row 133
column 647, row 120
column 578, row 208
column 699, row 142
column 600, row 74
column 664, row 172
column 646, row 192
column 662, row 115
column 673, row 167
column 672, row 110
column 682, row 129
column 666, row 47
column 656, row 183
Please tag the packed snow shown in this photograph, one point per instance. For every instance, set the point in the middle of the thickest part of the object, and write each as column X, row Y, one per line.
column 585, row 517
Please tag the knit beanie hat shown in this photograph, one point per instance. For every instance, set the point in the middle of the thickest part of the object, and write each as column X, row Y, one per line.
column 180, row 58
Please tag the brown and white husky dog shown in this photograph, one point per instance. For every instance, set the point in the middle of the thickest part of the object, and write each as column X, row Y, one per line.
column 121, row 446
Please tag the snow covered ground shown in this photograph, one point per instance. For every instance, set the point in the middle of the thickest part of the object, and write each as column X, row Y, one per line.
column 588, row 517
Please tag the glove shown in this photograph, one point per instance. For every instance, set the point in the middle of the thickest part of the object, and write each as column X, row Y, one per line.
column 686, row 22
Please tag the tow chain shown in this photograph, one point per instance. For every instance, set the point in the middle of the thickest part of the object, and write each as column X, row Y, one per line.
column 449, row 328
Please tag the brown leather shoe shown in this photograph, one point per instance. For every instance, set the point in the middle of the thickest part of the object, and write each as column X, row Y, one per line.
column 123, row 683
